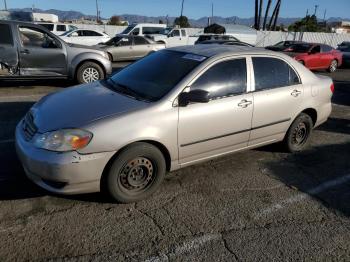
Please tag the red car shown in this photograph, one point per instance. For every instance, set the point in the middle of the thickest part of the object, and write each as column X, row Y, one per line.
column 316, row 56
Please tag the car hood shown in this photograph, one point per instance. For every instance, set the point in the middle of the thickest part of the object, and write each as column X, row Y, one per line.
column 78, row 106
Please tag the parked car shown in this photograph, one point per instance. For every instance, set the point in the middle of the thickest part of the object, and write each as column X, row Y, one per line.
column 171, row 109
column 143, row 29
column 280, row 46
column 129, row 47
column 58, row 29
column 173, row 36
column 344, row 48
column 206, row 37
column 316, row 56
column 85, row 37
column 225, row 42
column 29, row 51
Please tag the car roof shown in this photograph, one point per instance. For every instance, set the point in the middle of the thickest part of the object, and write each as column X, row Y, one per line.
column 219, row 50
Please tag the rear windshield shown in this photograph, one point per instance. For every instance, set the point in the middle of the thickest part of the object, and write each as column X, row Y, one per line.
column 154, row 76
column 300, row 48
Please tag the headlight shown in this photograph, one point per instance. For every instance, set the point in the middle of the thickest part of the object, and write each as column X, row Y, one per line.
column 63, row 140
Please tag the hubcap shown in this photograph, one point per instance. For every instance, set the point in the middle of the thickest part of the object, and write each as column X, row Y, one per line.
column 137, row 174
column 91, row 74
column 300, row 134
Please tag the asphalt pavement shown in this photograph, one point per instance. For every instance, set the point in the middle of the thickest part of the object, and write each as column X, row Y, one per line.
column 261, row 204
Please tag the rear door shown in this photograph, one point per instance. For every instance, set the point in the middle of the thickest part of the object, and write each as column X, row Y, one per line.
column 278, row 95
column 223, row 124
column 40, row 53
column 9, row 63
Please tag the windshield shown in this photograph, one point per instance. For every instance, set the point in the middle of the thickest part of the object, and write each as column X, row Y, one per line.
column 166, row 31
column 154, row 76
column 301, row 48
column 128, row 29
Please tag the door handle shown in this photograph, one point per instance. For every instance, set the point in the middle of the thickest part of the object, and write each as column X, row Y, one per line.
column 244, row 103
column 296, row 93
column 25, row 51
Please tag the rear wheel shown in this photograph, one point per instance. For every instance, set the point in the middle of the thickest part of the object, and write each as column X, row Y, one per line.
column 136, row 173
column 298, row 133
column 89, row 72
column 333, row 66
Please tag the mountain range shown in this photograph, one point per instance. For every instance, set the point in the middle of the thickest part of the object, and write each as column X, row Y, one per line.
column 131, row 18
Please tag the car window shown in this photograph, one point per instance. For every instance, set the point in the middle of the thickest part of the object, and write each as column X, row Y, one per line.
column 316, row 49
column 125, row 41
column 272, row 73
column 136, row 31
column 34, row 37
column 299, row 48
column 155, row 75
column 6, row 35
column 175, row 33
column 224, row 79
column 326, row 48
column 138, row 40
column 61, row 28
column 183, row 32
column 48, row 26
column 152, row 30
column 90, row 33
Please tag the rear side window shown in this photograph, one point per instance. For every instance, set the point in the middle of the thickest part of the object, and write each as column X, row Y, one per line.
column 151, row 30
column 138, row 40
column 272, row 73
column 6, row 35
column 91, row 33
column 61, row 28
column 224, row 79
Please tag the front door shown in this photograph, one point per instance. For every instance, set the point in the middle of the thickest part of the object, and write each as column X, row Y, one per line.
column 277, row 99
column 8, row 52
column 223, row 124
column 40, row 53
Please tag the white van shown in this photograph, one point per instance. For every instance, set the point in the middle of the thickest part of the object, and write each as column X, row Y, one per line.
column 143, row 29
column 57, row 29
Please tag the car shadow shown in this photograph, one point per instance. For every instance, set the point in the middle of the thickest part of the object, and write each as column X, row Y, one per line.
column 322, row 172
column 341, row 94
column 31, row 84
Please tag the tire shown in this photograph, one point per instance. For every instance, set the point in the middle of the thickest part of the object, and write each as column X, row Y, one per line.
column 333, row 66
column 298, row 134
column 136, row 173
column 89, row 72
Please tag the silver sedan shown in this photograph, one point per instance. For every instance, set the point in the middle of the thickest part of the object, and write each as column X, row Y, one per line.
column 129, row 48
column 174, row 108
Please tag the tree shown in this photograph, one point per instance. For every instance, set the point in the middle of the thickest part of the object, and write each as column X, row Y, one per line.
column 115, row 20
column 182, row 21
column 307, row 24
column 160, row 21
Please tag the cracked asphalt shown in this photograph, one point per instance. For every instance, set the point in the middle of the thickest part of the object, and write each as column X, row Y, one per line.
column 261, row 204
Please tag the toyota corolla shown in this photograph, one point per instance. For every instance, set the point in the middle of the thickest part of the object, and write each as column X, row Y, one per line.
column 169, row 110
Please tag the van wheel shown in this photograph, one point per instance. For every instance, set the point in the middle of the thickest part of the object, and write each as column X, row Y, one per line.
column 89, row 72
column 136, row 173
column 333, row 66
column 297, row 137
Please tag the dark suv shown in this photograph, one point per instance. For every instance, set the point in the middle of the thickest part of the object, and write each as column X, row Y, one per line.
column 29, row 51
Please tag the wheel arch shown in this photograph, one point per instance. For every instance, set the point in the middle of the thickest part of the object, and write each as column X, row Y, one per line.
column 312, row 113
column 86, row 61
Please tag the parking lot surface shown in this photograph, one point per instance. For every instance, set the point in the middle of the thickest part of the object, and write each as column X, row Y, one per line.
column 261, row 204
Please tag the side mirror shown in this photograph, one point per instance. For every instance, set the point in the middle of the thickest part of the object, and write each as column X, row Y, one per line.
column 195, row 96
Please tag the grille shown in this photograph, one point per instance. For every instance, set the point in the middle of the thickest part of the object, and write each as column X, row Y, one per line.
column 28, row 126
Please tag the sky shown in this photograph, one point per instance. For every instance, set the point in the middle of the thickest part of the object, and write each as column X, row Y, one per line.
column 192, row 8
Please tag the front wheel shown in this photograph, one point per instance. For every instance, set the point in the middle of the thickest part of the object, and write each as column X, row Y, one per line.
column 298, row 133
column 89, row 72
column 136, row 173
column 333, row 66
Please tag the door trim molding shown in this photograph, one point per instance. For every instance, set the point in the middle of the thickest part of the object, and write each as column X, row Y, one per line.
column 236, row 133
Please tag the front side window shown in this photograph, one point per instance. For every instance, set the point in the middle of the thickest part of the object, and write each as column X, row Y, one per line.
column 6, row 35
column 224, row 79
column 175, row 33
column 272, row 73
column 316, row 49
column 136, row 31
column 299, row 48
column 154, row 76
column 326, row 48
column 125, row 41
column 33, row 37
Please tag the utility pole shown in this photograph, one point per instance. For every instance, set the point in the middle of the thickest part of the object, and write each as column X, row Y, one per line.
column 324, row 15
column 316, row 7
column 5, row 5
column 277, row 14
column 266, row 13
column 260, row 11
column 182, row 8
column 307, row 12
column 212, row 12
column 97, row 12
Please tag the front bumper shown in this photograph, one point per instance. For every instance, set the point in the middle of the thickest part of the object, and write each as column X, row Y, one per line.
column 63, row 173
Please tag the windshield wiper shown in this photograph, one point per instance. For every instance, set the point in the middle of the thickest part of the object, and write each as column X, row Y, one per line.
column 127, row 91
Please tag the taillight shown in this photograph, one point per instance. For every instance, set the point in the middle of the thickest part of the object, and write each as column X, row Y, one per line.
column 332, row 87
